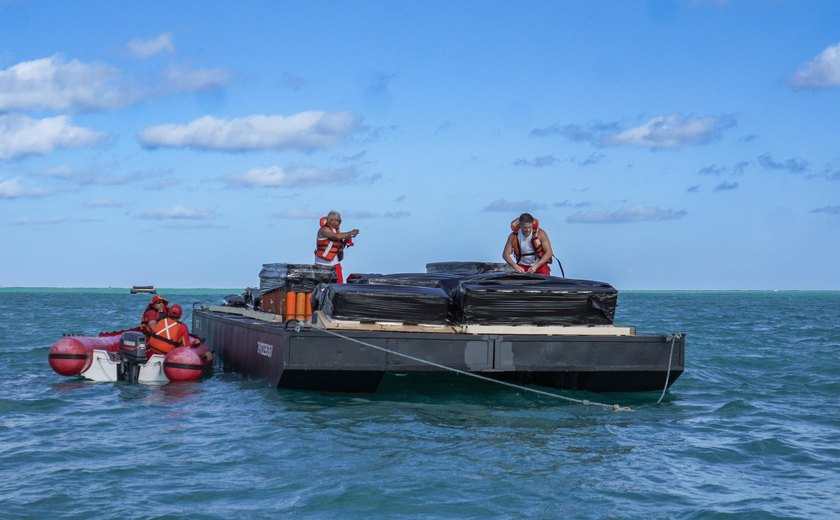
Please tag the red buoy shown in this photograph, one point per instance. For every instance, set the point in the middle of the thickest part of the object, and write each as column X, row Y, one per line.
column 72, row 355
column 187, row 363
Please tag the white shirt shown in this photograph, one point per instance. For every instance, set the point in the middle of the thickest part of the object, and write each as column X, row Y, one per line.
column 527, row 253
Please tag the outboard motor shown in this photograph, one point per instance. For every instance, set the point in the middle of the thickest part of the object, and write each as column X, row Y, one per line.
column 132, row 355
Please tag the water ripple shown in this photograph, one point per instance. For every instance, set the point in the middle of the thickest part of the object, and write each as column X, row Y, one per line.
column 749, row 431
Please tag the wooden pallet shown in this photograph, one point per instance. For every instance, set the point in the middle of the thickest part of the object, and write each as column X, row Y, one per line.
column 248, row 313
column 321, row 320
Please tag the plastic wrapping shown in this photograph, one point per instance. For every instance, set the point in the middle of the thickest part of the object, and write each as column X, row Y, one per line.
column 466, row 269
column 294, row 277
column 447, row 282
column 234, row 300
column 394, row 303
column 517, row 298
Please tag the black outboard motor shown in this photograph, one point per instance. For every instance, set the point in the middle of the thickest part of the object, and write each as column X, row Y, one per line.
column 132, row 355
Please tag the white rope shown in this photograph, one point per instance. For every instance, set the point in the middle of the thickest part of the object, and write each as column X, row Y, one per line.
column 584, row 402
column 104, row 370
column 674, row 337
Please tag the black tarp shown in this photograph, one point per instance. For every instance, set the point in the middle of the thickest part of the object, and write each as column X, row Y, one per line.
column 465, row 269
column 519, row 298
column 234, row 300
column 394, row 303
column 447, row 282
column 294, row 277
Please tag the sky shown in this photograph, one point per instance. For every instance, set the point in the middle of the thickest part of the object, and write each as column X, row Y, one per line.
column 671, row 144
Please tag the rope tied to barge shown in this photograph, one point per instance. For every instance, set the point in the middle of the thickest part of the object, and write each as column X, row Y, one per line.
column 584, row 402
column 674, row 337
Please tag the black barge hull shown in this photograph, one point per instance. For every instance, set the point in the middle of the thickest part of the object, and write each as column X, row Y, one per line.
column 312, row 358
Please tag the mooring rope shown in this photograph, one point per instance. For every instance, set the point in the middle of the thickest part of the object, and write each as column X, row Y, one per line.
column 584, row 402
column 104, row 369
column 674, row 337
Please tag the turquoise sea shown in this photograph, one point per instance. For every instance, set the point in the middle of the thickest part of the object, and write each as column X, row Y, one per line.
column 751, row 430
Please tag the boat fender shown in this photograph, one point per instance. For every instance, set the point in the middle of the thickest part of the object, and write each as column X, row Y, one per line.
column 186, row 364
column 69, row 357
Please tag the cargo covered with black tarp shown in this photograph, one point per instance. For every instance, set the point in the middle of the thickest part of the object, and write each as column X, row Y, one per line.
column 466, row 269
column 447, row 282
column 294, row 277
column 520, row 298
column 392, row 303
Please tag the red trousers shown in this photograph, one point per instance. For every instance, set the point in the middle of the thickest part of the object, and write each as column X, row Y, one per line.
column 543, row 269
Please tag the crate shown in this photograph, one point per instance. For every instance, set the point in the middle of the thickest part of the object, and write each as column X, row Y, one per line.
column 273, row 301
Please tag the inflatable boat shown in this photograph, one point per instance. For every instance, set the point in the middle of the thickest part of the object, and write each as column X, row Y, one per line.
column 124, row 356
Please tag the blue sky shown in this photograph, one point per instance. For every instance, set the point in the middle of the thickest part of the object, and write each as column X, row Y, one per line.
column 663, row 145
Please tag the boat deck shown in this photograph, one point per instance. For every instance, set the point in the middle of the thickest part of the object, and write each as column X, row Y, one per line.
column 330, row 355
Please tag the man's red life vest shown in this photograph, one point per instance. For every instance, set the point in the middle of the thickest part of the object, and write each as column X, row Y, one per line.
column 326, row 248
column 535, row 240
column 167, row 335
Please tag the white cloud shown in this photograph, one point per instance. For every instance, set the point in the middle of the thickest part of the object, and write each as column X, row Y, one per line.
column 54, row 84
column 105, row 176
column 50, row 221
column 792, row 165
column 178, row 79
column 726, row 186
column 570, row 204
column 152, row 46
column 538, row 162
column 293, row 176
column 175, row 213
column 368, row 215
column 302, row 131
column 515, row 206
column 11, row 189
column 670, row 131
column 821, row 72
column 21, row 135
column 291, row 81
column 305, row 214
column 298, row 214
column 105, row 203
column 15, row 189
column 625, row 215
column 831, row 210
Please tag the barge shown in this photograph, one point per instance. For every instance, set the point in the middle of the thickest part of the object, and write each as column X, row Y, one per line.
column 332, row 353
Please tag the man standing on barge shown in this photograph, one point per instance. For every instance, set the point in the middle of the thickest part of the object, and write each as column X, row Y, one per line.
column 330, row 243
column 530, row 246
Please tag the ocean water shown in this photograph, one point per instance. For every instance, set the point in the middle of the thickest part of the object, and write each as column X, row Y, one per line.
column 750, row 430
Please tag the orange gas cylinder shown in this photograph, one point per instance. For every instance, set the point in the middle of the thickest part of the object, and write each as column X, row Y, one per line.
column 291, row 303
column 300, row 307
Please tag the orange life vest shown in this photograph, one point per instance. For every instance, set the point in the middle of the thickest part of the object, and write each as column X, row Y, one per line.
column 535, row 240
column 144, row 323
column 327, row 248
column 167, row 335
